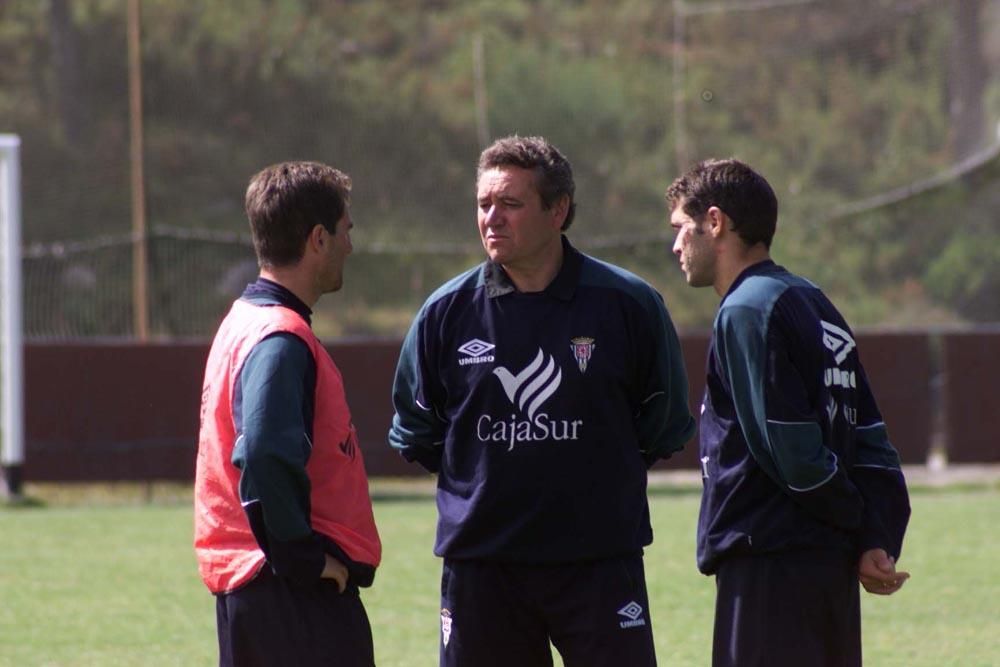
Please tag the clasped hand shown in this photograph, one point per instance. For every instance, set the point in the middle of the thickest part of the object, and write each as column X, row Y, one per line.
column 877, row 573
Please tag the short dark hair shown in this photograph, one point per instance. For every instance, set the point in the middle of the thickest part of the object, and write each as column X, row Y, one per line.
column 736, row 189
column 553, row 173
column 285, row 202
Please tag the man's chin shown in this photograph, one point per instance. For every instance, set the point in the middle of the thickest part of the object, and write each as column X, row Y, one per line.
column 697, row 281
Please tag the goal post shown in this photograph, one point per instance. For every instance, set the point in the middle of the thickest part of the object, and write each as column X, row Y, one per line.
column 11, row 343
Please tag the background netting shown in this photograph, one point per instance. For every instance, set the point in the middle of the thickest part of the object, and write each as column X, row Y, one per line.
column 875, row 120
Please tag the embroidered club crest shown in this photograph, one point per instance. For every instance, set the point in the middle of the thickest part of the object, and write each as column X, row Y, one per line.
column 445, row 626
column 583, row 349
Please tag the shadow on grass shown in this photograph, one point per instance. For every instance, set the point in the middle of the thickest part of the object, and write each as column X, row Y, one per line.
column 680, row 490
column 21, row 503
column 424, row 495
column 401, row 497
column 417, row 490
column 924, row 488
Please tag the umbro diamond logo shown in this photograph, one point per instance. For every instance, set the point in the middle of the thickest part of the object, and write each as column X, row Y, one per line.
column 475, row 347
column 533, row 385
column 476, row 352
column 837, row 341
column 633, row 612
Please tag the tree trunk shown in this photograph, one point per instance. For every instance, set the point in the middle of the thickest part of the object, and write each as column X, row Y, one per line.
column 68, row 69
column 966, row 81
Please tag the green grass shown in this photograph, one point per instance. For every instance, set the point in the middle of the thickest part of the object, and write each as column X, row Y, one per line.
column 107, row 584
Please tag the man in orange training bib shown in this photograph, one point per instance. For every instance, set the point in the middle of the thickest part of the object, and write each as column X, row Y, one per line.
column 284, row 530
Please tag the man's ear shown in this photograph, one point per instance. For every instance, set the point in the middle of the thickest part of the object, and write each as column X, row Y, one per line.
column 560, row 209
column 316, row 237
column 718, row 222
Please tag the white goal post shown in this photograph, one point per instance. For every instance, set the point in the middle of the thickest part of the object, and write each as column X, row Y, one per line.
column 11, row 355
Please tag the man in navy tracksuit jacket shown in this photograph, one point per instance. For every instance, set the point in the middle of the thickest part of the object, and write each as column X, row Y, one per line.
column 803, row 493
column 540, row 386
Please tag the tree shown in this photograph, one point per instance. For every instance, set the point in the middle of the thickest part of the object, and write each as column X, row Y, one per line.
column 967, row 79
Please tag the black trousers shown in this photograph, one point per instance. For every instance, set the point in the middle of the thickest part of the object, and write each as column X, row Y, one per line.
column 788, row 610
column 595, row 613
column 272, row 622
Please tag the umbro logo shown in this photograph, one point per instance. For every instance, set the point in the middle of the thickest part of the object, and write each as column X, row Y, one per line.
column 837, row 341
column 476, row 352
column 475, row 347
column 349, row 448
column 633, row 615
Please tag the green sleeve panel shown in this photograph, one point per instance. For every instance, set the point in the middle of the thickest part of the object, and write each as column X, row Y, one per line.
column 799, row 454
column 273, row 446
column 874, row 449
column 781, row 428
column 664, row 422
column 741, row 344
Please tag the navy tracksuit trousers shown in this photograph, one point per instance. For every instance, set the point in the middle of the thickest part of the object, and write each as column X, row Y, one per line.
column 272, row 622
column 595, row 613
column 788, row 610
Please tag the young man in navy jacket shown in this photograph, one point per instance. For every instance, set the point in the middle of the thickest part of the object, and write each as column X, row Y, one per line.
column 803, row 493
column 540, row 386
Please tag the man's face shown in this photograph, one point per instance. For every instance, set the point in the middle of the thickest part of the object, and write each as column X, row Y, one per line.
column 336, row 248
column 693, row 247
column 517, row 232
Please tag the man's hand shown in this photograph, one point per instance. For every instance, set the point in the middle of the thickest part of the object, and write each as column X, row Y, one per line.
column 334, row 569
column 877, row 573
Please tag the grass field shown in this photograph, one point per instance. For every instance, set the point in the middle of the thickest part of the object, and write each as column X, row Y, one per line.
column 102, row 583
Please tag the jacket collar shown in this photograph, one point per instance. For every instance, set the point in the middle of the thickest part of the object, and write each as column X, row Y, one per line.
column 266, row 292
column 562, row 287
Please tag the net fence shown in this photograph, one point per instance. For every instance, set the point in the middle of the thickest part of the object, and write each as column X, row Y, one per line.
column 876, row 121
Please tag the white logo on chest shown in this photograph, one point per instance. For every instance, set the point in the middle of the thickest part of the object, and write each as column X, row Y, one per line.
column 528, row 391
column 536, row 392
